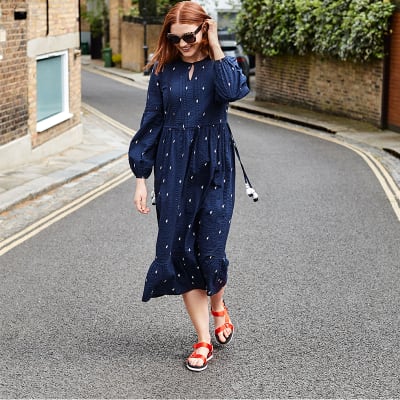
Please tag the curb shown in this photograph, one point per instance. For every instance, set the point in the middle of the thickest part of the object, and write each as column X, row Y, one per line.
column 42, row 185
column 335, row 128
column 281, row 116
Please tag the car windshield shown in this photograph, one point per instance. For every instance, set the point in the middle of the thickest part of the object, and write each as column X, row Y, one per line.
column 224, row 34
column 228, row 48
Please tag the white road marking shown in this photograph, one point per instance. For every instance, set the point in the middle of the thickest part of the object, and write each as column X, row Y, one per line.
column 110, row 121
column 32, row 230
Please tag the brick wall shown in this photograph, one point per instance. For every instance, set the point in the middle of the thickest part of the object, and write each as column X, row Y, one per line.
column 340, row 88
column 13, row 74
column 394, row 76
column 45, row 31
column 62, row 18
column 117, row 8
column 132, row 34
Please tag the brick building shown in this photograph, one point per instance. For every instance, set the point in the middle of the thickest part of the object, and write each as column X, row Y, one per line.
column 392, row 82
column 40, row 79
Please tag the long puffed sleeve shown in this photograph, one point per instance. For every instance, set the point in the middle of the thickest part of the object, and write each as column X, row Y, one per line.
column 230, row 81
column 143, row 146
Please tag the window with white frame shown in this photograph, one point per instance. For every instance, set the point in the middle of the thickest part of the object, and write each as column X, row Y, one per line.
column 52, row 90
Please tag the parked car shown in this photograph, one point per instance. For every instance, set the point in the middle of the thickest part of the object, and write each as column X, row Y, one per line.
column 233, row 49
column 226, row 34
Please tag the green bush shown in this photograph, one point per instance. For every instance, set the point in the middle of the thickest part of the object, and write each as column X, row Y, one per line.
column 267, row 25
column 346, row 29
column 306, row 24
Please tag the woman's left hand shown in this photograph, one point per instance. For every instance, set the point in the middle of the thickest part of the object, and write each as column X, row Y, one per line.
column 212, row 30
column 216, row 51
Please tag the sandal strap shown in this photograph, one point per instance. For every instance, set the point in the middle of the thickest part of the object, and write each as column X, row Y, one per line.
column 218, row 313
column 227, row 324
column 222, row 313
column 223, row 327
column 208, row 346
column 203, row 344
column 197, row 355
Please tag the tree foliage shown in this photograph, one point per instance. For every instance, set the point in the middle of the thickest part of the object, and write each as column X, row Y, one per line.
column 151, row 8
column 96, row 14
column 346, row 29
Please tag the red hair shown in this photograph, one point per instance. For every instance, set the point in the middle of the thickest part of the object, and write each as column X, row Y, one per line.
column 184, row 12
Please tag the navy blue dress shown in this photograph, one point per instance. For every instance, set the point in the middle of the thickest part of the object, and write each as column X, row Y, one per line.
column 185, row 137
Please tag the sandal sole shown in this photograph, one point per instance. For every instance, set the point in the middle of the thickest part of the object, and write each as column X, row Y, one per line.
column 228, row 339
column 198, row 369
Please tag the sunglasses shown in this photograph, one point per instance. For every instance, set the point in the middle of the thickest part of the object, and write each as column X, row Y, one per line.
column 189, row 37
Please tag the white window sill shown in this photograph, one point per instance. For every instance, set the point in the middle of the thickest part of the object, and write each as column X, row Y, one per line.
column 52, row 121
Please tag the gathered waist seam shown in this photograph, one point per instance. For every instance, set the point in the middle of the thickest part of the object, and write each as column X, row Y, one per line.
column 183, row 127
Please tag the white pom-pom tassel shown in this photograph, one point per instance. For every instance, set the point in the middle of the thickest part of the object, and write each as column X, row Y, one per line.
column 249, row 190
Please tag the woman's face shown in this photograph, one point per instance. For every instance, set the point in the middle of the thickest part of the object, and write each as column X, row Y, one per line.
column 190, row 52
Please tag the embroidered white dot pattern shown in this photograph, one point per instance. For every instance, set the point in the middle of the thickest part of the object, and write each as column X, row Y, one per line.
column 185, row 139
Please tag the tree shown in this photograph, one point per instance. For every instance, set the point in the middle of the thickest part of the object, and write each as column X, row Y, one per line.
column 96, row 14
column 346, row 29
column 148, row 8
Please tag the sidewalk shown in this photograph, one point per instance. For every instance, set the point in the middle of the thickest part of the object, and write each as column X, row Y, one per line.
column 103, row 143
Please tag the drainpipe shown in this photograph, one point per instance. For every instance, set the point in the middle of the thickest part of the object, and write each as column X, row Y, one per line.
column 80, row 24
column 385, row 82
column 47, row 18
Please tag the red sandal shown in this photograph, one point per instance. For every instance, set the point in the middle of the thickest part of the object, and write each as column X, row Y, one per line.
column 227, row 324
column 197, row 355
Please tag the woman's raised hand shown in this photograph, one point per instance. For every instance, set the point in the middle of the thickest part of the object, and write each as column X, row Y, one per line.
column 212, row 30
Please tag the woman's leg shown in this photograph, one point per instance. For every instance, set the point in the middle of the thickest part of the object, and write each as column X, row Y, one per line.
column 217, row 304
column 196, row 302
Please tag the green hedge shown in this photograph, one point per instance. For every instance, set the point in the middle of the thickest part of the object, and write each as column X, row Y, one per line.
column 346, row 29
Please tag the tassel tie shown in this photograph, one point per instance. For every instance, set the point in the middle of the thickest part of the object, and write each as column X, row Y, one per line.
column 249, row 188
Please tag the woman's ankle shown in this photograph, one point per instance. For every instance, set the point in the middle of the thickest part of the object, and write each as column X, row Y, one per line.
column 204, row 338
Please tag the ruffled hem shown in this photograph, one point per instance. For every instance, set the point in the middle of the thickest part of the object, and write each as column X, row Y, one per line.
column 176, row 278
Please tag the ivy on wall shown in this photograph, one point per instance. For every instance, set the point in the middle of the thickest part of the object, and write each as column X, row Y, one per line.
column 346, row 29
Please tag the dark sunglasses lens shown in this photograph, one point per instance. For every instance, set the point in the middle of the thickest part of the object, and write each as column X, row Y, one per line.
column 189, row 38
column 173, row 38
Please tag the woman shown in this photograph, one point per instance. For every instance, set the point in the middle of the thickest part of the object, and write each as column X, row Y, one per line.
column 184, row 135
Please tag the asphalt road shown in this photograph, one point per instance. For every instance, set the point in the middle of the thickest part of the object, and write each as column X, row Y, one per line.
column 123, row 102
column 313, row 287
